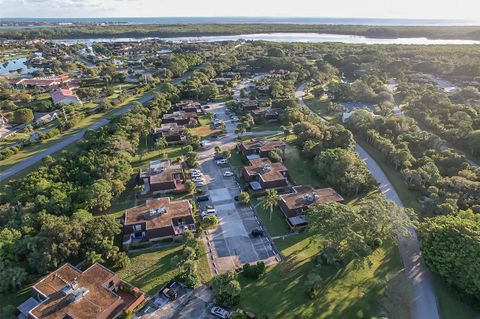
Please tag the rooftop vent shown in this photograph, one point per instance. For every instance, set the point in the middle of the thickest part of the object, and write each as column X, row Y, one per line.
column 311, row 197
column 157, row 212
column 265, row 168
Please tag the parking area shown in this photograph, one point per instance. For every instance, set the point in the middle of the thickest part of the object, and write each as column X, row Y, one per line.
column 230, row 245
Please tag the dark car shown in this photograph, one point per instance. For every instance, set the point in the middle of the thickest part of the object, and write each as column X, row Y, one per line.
column 218, row 156
column 213, row 137
column 257, row 232
column 236, row 198
column 202, row 198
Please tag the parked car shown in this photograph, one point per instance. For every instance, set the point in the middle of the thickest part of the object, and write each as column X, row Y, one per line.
column 228, row 174
column 196, row 174
column 220, row 312
column 194, row 170
column 207, row 212
column 202, row 198
column 257, row 232
column 197, row 179
column 222, row 161
column 235, row 119
column 200, row 183
column 218, row 156
column 213, row 137
column 236, row 198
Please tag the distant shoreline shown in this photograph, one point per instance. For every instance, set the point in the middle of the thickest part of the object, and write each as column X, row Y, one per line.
column 195, row 30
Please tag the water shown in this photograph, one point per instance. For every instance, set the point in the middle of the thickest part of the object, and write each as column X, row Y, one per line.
column 284, row 37
column 15, row 64
column 42, row 22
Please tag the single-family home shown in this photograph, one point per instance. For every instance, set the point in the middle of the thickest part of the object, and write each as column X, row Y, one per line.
column 172, row 132
column 262, row 174
column 64, row 96
column 162, row 177
column 256, row 148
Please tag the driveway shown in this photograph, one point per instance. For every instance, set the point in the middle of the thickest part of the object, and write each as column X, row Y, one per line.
column 230, row 245
column 424, row 303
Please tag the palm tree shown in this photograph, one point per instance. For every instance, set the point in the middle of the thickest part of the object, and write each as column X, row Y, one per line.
column 271, row 200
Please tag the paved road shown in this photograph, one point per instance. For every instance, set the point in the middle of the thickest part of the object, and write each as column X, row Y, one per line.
column 424, row 300
column 5, row 174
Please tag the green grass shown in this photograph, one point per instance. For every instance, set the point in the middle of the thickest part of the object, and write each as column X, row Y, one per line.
column 320, row 108
column 451, row 306
column 277, row 226
column 301, row 170
column 347, row 292
column 151, row 270
column 267, row 127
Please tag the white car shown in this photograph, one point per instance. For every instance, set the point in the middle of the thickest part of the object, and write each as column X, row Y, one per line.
column 235, row 119
column 208, row 212
column 220, row 312
column 228, row 174
column 197, row 179
column 194, row 170
column 221, row 162
column 200, row 183
column 196, row 174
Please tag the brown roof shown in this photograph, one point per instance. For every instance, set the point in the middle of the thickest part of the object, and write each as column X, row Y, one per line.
column 267, row 170
column 305, row 196
column 161, row 171
column 174, row 210
column 170, row 129
column 95, row 302
column 263, row 145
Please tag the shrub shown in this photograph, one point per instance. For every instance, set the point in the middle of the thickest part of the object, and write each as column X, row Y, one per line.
column 244, row 198
column 210, row 221
column 255, row 271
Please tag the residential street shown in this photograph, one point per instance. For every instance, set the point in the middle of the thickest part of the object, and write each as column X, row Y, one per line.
column 5, row 174
column 424, row 303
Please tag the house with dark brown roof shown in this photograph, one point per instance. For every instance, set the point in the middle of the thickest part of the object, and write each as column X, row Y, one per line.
column 295, row 204
column 262, row 174
column 256, row 148
column 68, row 292
column 172, row 132
column 156, row 220
column 162, row 177
column 181, row 118
column 247, row 104
column 188, row 106
column 266, row 115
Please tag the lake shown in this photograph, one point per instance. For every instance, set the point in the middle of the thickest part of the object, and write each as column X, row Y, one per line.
column 15, row 64
column 284, row 37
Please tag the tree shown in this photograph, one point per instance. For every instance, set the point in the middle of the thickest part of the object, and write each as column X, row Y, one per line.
column 275, row 52
column 192, row 159
column 99, row 195
column 355, row 233
column 451, row 248
column 24, row 115
column 271, row 200
column 160, row 143
column 227, row 289
column 209, row 221
column 244, row 198
column 190, row 187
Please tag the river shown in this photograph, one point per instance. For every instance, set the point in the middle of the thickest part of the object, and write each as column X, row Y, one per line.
column 285, row 37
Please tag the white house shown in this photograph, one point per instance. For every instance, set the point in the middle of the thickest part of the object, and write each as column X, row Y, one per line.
column 64, row 96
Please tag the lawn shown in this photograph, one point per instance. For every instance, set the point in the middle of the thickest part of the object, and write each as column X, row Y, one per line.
column 151, row 270
column 276, row 226
column 267, row 127
column 320, row 107
column 451, row 307
column 348, row 292
column 301, row 170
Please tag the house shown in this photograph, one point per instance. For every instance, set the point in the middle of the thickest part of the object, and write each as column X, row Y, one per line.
column 294, row 205
column 46, row 118
column 256, row 148
column 172, row 132
column 188, row 106
column 266, row 115
column 181, row 118
column 262, row 174
column 158, row 219
column 247, row 105
column 162, row 177
column 64, row 96
column 68, row 292
column 45, row 82
column 263, row 89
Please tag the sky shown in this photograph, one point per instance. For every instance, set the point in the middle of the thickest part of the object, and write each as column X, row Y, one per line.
column 413, row 9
